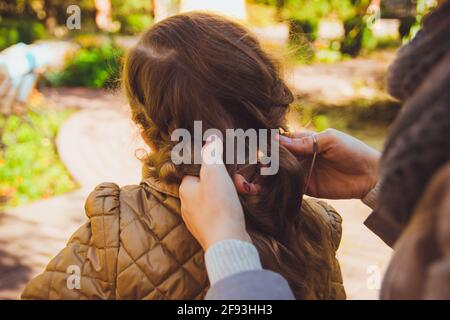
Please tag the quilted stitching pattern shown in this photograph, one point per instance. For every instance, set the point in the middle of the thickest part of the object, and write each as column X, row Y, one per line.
column 162, row 253
column 93, row 249
column 135, row 246
column 334, row 220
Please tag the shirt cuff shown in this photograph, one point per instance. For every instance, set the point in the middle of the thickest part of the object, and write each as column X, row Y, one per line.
column 371, row 198
column 229, row 257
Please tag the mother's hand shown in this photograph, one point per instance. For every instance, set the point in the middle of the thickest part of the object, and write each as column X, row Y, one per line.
column 210, row 205
column 345, row 167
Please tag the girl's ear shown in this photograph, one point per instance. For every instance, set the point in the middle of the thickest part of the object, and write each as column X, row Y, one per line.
column 244, row 187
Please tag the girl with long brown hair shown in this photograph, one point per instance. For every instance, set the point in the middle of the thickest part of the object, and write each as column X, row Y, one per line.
column 198, row 67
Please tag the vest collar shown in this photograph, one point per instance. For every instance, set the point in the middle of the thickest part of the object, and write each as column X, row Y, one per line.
column 169, row 189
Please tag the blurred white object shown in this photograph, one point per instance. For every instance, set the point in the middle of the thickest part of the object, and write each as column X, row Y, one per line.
column 17, row 60
column 276, row 34
column 384, row 28
column 330, row 29
column 19, row 68
column 164, row 8
column 231, row 8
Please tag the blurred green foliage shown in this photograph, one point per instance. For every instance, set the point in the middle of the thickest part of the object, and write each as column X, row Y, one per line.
column 329, row 54
column 29, row 165
column 365, row 119
column 357, row 36
column 304, row 15
column 13, row 31
column 34, row 16
column 134, row 15
column 303, row 28
column 134, row 23
column 424, row 7
column 304, row 18
column 93, row 67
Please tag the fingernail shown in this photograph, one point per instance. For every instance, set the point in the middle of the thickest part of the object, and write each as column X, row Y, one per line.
column 210, row 139
column 284, row 139
column 255, row 188
column 247, row 187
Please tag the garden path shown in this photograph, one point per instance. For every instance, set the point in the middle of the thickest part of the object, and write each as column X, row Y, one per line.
column 97, row 144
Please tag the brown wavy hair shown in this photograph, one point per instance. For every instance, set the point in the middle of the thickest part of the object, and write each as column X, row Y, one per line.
column 199, row 66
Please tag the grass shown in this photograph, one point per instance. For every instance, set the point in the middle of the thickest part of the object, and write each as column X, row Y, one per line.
column 30, row 168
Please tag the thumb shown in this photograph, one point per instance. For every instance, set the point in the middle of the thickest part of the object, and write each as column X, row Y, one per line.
column 213, row 170
column 304, row 145
column 212, row 151
column 189, row 188
column 211, row 161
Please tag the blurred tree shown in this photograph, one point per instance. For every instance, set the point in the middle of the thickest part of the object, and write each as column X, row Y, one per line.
column 134, row 15
column 357, row 34
column 424, row 7
column 21, row 21
column 51, row 13
column 280, row 5
column 304, row 15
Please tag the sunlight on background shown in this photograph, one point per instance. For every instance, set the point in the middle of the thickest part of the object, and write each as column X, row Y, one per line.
column 232, row 8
